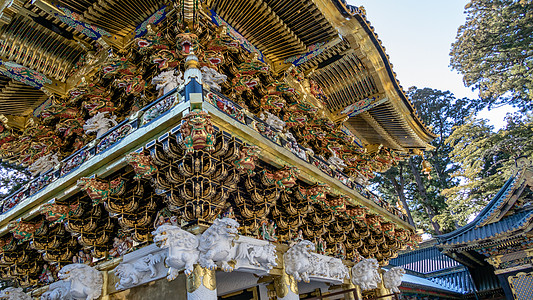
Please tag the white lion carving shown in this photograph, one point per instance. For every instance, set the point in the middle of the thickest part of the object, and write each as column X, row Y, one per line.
column 216, row 243
column 337, row 269
column 212, row 78
column 100, row 124
column 43, row 164
column 57, row 291
column 166, row 81
column 186, row 249
column 85, row 282
column 272, row 120
column 365, row 274
column 131, row 274
column 392, row 279
column 298, row 260
column 263, row 256
column 182, row 248
column 12, row 293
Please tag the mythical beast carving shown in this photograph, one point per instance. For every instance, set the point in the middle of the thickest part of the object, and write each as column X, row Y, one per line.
column 392, row 279
column 131, row 274
column 263, row 256
column 12, row 293
column 182, row 249
column 58, row 290
column 186, row 249
column 298, row 260
column 197, row 131
column 166, row 81
column 216, row 243
column 100, row 124
column 365, row 274
column 44, row 163
column 212, row 78
column 85, row 282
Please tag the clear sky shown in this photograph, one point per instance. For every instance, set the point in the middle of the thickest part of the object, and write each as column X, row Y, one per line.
column 417, row 35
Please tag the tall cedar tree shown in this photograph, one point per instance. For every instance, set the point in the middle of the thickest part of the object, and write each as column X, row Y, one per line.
column 440, row 110
column 486, row 159
column 494, row 51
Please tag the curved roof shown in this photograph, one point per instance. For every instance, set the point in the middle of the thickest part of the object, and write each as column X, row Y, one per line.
column 334, row 42
column 494, row 220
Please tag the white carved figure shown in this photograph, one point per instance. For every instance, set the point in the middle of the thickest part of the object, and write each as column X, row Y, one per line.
column 43, row 164
column 182, row 249
column 212, row 78
column 57, row 291
column 298, row 260
column 85, row 282
column 337, row 269
column 12, row 293
column 392, row 279
column 216, row 243
column 320, row 266
column 263, row 256
column 185, row 249
column 365, row 274
column 100, row 124
column 272, row 120
column 166, row 81
column 337, row 162
column 131, row 274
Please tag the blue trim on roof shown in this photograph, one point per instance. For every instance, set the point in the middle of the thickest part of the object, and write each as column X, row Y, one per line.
column 424, row 261
column 436, row 284
column 485, row 213
column 505, row 225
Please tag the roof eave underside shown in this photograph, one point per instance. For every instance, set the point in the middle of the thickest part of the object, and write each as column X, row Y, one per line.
column 292, row 27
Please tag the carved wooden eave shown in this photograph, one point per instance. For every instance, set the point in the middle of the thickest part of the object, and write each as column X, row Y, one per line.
column 354, row 65
column 239, row 122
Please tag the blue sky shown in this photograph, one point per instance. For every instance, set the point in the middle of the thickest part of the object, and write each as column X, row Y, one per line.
column 417, row 35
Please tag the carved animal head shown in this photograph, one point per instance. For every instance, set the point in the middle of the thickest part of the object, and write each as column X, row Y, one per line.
column 392, row 279
column 121, row 270
column 12, row 293
column 71, row 271
column 226, row 226
column 365, row 274
column 305, row 246
column 163, row 233
column 82, row 276
column 187, row 42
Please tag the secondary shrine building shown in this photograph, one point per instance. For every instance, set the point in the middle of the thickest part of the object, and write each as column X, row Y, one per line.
column 199, row 149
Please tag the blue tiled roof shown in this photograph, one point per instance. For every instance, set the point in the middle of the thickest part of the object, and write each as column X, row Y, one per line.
column 409, row 279
column 459, row 281
column 476, row 230
column 504, row 226
column 424, row 261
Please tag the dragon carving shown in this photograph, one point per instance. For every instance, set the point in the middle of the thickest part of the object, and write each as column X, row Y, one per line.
column 197, row 131
column 99, row 190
